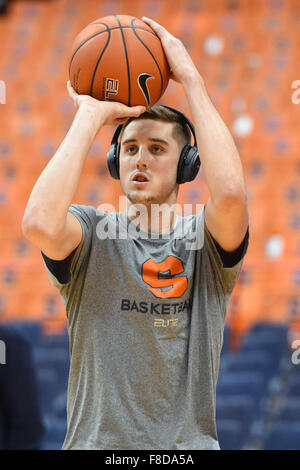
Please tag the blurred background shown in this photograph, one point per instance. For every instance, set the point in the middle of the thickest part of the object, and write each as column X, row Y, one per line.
column 248, row 52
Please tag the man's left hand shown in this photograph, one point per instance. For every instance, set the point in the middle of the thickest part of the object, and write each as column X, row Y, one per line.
column 183, row 70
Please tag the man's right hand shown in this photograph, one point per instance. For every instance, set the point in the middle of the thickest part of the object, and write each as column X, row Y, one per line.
column 104, row 112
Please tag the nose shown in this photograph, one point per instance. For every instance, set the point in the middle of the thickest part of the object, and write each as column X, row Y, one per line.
column 142, row 160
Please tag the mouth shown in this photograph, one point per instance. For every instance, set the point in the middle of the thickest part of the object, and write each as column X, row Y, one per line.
column 140, row 179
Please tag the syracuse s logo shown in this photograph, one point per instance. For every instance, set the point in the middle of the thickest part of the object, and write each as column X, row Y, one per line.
column 162, row 278
column 142, row 81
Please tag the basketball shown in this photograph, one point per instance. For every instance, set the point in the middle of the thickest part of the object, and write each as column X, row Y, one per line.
column 119, row 58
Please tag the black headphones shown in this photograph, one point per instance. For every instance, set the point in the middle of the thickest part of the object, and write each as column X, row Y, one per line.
column 188, row 164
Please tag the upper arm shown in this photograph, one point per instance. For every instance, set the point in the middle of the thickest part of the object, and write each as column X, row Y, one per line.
column 227, row 222
column 62, row 245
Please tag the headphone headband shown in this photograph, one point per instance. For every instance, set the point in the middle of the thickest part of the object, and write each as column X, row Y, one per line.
column 186, row 120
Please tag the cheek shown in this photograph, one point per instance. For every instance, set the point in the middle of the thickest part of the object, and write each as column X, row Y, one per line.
column 124, row 167
column 168, row 171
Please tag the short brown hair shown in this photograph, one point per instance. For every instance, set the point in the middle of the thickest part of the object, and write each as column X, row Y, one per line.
column 181, row 131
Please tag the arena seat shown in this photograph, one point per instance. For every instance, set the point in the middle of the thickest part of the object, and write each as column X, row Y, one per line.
column 293, row 386
column 32, row 331
column 290, row 411
column 251, row 361
column 283, row 435
column 47, row 384
column 266, row 344
column 242, row 383
column 238, row 408
column 59, row 405
column 230, row 434
column 55, row 433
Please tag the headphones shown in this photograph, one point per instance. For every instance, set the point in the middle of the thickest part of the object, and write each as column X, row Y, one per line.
column 188, row 164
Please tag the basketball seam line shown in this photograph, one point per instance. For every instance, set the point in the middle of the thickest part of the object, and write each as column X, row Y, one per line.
column 107, row 30
column 124, row 27
column 88, row 39
column 96, row 66
column 127, row 62
column 161, row 79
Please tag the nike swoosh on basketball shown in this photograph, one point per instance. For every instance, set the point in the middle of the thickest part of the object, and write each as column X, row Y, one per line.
column 142, row 81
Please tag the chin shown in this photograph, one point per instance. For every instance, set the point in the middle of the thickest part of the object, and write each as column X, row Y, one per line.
column 140, row 197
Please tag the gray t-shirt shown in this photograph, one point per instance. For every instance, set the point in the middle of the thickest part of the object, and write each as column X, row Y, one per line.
column 145, row 320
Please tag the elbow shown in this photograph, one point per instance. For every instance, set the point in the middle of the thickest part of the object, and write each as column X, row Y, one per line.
column 30, row 227
column 27, row 226
column 33, row 228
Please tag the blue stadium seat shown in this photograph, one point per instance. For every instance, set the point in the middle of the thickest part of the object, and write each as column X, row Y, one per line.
column 32, row 331
column 283, row 435
column 48, row 389
column 51, row 445
column 230, row 434
column 56, row 341
column 55, row 433
column 293, row 387
column 226, row 340
column 59, row 405
column 268, row 339
column 250, row 384
column 280, row 329
column 238, row 408
column 269, row 342
column 56, row 359
column 257, row 361
column 290, row 411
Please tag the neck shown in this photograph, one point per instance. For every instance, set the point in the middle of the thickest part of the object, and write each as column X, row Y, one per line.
column 154, row 218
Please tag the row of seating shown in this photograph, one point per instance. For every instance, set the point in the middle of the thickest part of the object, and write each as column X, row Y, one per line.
column 258, row 392
column 258, row 388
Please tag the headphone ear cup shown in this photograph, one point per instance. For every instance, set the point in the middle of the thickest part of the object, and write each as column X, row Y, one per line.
column 188, row 165
column 113, row 156
column 181, row 164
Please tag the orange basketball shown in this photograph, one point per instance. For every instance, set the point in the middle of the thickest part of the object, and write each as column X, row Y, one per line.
column 119, row 58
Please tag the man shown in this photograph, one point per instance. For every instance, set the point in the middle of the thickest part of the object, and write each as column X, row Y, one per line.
column 145, row 314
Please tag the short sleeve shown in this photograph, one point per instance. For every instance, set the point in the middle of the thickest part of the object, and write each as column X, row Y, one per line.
column 227, row 275
column 63, row 273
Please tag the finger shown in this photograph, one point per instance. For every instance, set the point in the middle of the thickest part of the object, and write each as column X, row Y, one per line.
column 119, row 121
column 72, row 93
column 133, row 111
column 138, row 110
column 158, row 28
column 71, row 90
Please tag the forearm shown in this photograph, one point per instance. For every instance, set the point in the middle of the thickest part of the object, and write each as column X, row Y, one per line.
column 54, row 190
column 219, row 157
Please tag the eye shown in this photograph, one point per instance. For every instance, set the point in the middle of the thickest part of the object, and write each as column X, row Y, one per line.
column 131, row 149
column 157, row 149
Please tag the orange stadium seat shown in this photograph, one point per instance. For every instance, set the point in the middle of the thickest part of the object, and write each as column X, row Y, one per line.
column 247, row 53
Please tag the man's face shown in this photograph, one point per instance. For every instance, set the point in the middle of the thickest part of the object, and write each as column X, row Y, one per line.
column 148, row 162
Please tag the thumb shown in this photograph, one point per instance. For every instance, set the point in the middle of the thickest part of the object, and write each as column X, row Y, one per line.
column 72, row 93
column 139, row 109
column 134, row 111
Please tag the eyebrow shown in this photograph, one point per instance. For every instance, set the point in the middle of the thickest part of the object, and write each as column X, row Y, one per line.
column 153, row 139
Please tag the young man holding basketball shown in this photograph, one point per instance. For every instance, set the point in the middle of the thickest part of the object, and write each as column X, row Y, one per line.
column 145, row 315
